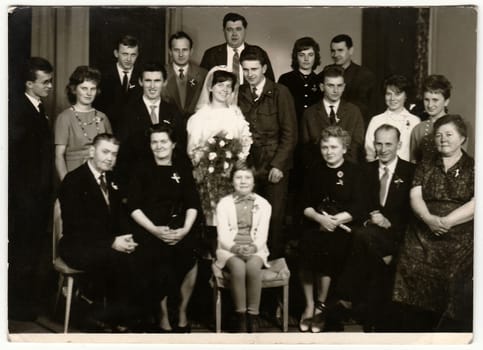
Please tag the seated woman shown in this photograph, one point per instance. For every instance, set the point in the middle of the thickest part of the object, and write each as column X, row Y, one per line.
column 332, row 198
column 163, row 201
column 396, row 93
column 435, row 271
column 76, row 127
column 243, row 222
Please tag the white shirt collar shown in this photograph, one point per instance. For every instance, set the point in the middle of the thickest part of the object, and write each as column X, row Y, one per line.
column 239, row 49
column 94, row 172
column 176, row 69
column 260, row 87
column 327, row 105
column 391, row 166
column 120, row 70
column 34, row 101
column 149, row 103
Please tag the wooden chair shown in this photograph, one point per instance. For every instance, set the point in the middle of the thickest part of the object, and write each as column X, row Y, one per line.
column 60, row 266
column 277, row 275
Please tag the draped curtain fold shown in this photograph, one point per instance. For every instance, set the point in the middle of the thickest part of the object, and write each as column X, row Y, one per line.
column 174, row 23
column 61, row 35
column 422, row 57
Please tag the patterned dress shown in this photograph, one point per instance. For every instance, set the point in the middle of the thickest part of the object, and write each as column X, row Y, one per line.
column 435, row 273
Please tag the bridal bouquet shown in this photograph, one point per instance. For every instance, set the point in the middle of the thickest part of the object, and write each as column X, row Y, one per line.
column 212, row 173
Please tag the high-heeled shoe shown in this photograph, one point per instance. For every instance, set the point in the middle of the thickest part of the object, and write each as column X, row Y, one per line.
column 318, row 321
column 305, row 323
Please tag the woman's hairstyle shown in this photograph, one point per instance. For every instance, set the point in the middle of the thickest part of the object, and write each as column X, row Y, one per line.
column 302, row 44
column 335, row 131
column 454, row 119
column 166, row 127
column 80, row 75
column 400, row 82
column 221, row 76
column 438, row 84
column 246, row 165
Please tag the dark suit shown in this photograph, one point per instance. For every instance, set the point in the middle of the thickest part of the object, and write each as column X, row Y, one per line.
column 273, row 124
column 194, row 85
column 30, row 175
column 217, row 56
column 360, row 89
column 113, row 99
column 89, row 227
column 315, row 119
column 133, row 133
column 367, row 279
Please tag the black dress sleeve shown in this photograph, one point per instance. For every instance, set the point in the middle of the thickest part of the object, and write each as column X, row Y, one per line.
column 191, row 199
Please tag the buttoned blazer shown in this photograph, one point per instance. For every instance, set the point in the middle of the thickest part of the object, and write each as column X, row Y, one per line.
column 227, row 227
column 217, row 56
column 397, row 208
column 315, row 119
column 87, row 220
column 194, row 85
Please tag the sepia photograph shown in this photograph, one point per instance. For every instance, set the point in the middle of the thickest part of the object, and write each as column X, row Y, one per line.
column 253, row 174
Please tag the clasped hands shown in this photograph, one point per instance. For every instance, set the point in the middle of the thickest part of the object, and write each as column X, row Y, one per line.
column 244, row 250
column 378, row 219
column 437, row 224
column 168, row 235
column 124, row 244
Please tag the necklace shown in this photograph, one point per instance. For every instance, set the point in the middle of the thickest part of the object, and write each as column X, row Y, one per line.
column 82, row 124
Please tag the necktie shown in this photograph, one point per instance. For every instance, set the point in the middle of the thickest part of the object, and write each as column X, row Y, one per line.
column 124, row 81
column 254, row 93
column 41, row 109
column 383, row 188
column 332, row 118
column 154, row 117
column 236, row 64
column 181, row 74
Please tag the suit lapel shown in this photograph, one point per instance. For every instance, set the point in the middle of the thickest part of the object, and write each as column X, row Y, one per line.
column 190, row 90
column 392, row 186
column 171, row 86
column 95, row 189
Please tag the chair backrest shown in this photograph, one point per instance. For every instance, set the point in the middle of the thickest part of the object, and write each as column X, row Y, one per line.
column 56, row 229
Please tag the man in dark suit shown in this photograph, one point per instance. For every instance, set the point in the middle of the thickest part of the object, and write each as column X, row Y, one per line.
column 143, row 112
column 95, row 238
column 332, row 110
column 269, row 109
column 185, row 79
column 228, row 54
column 119, row 83
column 368, row 276
column 360, row 81
column 29, row 188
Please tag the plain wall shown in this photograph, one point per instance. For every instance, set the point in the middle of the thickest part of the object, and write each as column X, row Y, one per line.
column 453, row 54
column 275, row 29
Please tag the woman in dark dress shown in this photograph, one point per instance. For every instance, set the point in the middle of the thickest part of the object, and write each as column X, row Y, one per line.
column 435, row 269
column 164, row 203
column 332, row 200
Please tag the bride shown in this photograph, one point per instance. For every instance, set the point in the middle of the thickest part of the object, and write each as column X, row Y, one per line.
column 217, row 113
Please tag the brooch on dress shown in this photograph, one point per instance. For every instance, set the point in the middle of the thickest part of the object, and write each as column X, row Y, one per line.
column 176, row 177
column 457, row 172
column 340, row 175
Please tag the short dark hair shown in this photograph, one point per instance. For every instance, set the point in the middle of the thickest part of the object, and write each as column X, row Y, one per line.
column 154, row 67
column 105, row 136
column 343, row 38
column 246, row 165
column 127, row 40
column 219, row 76
column 304, row 44
column 233, row 17
column 388, row 127
column 335, row 131
column 164, row 127
column 78, row 76
column 437, row 83
column 331, row 71
column 454, row 119
column 253, row 53
column 33, row 65
column 400, row 82
column 180, row 35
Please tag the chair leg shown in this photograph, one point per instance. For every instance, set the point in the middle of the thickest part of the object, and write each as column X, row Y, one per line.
column 217, row 303
column 285, row 308
column 59, row 292
column 68, row 301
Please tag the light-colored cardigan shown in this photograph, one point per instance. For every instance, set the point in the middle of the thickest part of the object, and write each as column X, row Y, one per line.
column 227, row 227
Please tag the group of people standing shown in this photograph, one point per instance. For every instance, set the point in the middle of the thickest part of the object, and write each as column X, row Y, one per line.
column 163, row 165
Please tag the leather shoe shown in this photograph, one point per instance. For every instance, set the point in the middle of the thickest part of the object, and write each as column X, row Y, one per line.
column 252, row 323
column 318, row 321
column 183, row 329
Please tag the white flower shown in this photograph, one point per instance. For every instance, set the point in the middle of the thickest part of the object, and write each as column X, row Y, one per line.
column 225, row 165
column 222, row 143
column 211, row 140
column 211, row 155
column 229, row 136
column 228, row 154
column 241, row 155
column 211, row 169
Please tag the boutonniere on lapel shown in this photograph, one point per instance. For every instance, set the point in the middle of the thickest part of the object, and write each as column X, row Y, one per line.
column 457, row 172
column 176, row 177
column 398, row 181
column 255, row 208
column 114, row 186
column 131, row 86
column 192, row 82
column 340, row 175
